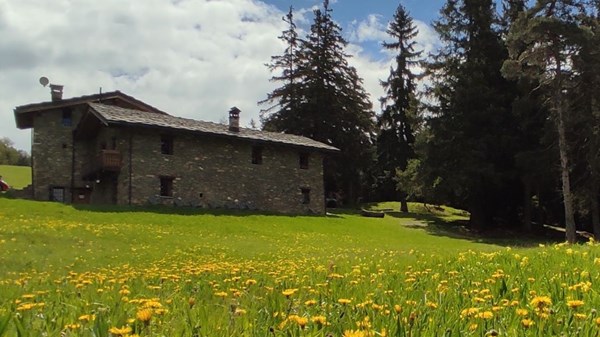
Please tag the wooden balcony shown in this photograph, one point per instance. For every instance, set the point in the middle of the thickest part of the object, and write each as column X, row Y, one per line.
column 110, row 160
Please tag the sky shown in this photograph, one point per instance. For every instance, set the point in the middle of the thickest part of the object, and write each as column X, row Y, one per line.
column 190, row 58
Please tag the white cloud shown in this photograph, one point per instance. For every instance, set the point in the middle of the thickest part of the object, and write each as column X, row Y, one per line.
column 191, row 58
column 371, row 29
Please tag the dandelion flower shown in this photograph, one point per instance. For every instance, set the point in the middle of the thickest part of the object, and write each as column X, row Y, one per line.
column 289, row 292
column 574, row 304
column 540, row 302
column 344, row 301
column 122, row 331
column 526, row 322
column 144, row 315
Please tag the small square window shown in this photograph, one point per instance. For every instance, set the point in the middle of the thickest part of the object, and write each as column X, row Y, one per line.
column 257, row 157
column 166, row 186
column 305, row 195
column 57, row 194
column 67, row 117
column 166, row 145
column 304, row 160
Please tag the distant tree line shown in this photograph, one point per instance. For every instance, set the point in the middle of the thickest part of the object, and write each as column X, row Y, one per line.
column 507, row 125
column 11, row 156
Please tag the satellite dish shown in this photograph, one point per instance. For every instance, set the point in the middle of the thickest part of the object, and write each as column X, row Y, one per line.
column 44, row 81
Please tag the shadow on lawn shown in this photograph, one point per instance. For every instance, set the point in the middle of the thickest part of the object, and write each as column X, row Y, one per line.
column 188, row 211
column 459, row 229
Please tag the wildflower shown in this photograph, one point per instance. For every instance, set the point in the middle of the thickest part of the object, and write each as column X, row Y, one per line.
column 473, row 327
column 87, row 318
column 320, row 320
column 354, row 333
column 191, row 301
column 72, row 326
column 580, row 316
column 526, row 322
column 125, row 330
column 221, row 294
column 522, row 312
column 310, row 303
column 597, row 321
column 397, row 308
column 574, row 304
column 432, row 305
column 540, row 302
column 144, row 315
column 485, row 315
column 289, row 292
column 344, row 301
column 239, row 312
column 469, row 312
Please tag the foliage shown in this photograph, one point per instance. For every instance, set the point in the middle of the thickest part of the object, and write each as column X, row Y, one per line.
column 468, row 158
column 395, row 136
column 120, row 272
column 11, row 156
column 322, row 98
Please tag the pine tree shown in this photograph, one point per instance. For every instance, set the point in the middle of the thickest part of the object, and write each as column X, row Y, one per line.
column 395, row 138
column 285, row 99
column 328, row 104
column 469, row 156
column 542, row 46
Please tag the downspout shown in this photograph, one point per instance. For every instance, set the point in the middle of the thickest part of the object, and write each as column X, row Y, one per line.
column 32, row 165
column 130, row 168
column 73, row 166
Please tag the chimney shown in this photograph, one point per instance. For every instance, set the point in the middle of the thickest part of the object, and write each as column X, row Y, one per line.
column 56, row 92
column 234, row 119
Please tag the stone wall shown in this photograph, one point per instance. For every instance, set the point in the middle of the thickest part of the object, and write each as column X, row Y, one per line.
column 52, row 152
column 216, row 172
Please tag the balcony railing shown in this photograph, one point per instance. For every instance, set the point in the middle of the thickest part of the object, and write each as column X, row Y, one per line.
column 110, row 160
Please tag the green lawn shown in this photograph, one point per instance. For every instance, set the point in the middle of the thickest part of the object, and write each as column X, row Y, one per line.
column 112, row 271
column 16, row 176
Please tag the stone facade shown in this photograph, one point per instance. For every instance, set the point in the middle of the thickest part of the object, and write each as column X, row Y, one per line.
column 202, row 170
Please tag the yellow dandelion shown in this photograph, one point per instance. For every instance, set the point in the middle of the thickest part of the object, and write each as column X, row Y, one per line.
column 87, row 318
column 574, row 304
column 320, row 320
column 580, row 316
column 289, row 292
column 239, row 312
column 310, row 303
column 122, row 331
column 344, row 301
column 526, row 322
column 540, row 302
column 522, row 312
column 72, row 326
column 354, row 333
column 485, row 315
column 397, row 308
column 144, row 315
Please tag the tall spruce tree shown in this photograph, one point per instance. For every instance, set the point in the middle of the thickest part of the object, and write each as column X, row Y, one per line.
column 470, row 154
column 330, row 104
column 395, row 137
column 543, row 45
column 285, row 100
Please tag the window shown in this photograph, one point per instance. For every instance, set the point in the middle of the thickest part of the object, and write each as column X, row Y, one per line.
column 305, row 195
column 57, row 194
column 166, row 186
column 166, row 145
column 257, row 155
column 67, row 119
column 304, row 160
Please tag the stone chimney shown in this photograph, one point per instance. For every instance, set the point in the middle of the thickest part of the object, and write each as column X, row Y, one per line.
column 56, row 91
column 234, row 119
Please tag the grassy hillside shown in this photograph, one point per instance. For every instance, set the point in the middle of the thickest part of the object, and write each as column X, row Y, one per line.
column 16, row 176
column 124, row 272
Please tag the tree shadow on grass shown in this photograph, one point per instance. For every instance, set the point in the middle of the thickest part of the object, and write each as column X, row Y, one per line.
column 459, row 229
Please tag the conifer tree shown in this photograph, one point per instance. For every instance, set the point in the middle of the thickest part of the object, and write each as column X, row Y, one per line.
column 329, row 104
column 469, row 156
column 395, row 133
column 542, row 46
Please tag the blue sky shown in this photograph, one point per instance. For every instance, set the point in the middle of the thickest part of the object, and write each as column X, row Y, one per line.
column 190, row 58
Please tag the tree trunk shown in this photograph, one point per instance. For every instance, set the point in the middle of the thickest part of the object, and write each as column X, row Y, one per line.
column 564, row 168
column 527, row 225
column 403, row 203
column 595, row 209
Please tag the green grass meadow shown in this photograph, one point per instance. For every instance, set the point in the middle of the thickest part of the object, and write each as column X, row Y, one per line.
column 114, row 271
column 16, row 176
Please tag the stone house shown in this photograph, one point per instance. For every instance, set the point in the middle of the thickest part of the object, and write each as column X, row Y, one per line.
column 110, row 148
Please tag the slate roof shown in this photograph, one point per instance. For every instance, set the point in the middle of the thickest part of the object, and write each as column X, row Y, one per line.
column 112, row 115
column 24, row 113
